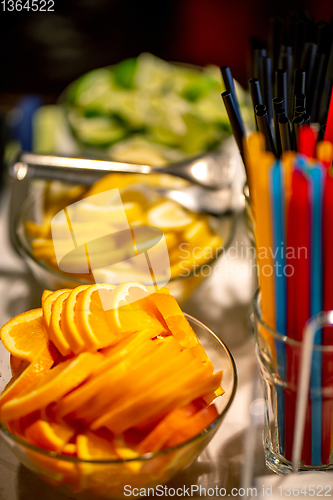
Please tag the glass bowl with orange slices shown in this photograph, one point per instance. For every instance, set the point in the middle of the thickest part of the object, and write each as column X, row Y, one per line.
column 194, row 241
column 108, row 389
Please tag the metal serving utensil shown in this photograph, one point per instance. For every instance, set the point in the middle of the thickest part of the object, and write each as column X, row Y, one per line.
column 210, row 171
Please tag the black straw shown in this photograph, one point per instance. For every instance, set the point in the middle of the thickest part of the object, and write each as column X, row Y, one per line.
column 297, row 124
column 281, row 85
column 255, row 95
column 300, row 110
column 284, row 128
column 236, row 124
column 265, row 129
column 300, row 100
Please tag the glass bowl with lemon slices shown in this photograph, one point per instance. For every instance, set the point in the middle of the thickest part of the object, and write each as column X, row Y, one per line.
column 102, row 402
column 182, row 246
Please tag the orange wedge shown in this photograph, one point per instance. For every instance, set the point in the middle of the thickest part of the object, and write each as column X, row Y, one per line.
column 164, row 430
column 16, row 364
column 25, row 335
column 22, row 383
column 55, row 328
column 95, row 393
column 52, row 386
column 45, row 294
column 68, row 322
column 91, row 446
column 125, row 314
column 90, row 316
column 49, row 435
column 193, row 425
column 48, row 302
column 175, row 319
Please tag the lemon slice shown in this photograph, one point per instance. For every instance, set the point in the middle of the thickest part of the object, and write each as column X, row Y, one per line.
column 170, row 216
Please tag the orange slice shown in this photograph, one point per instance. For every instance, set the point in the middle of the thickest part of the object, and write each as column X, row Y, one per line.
column 91, row 318
column 175, row 319
column 55, row 328
column 193, row 425
column 22, row 383
column 125, row 314
column 52, row 386
column 49, row 435
column 25, row 335
column 68, row 322
column 164, row 430
column 91, row 446
column 48, row 304
column 114, row 367
column 16, row 364
column 45, row 294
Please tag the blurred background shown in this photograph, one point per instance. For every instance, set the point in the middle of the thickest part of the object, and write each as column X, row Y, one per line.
column 42, row 52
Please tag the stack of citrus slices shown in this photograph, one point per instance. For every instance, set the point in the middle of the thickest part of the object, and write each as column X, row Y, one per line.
column 189, row 237
column 103, row 372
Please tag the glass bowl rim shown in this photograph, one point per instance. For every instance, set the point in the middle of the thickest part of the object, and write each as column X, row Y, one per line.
column 150, row 455
column 279, row 336
column 24, row 248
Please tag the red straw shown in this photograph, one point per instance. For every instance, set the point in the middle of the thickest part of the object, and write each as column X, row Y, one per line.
column 298, row 300
column 307, row 141
column 328, row 136
column 327, row 339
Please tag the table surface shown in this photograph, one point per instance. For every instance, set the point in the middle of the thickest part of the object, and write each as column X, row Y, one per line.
column 223, row 302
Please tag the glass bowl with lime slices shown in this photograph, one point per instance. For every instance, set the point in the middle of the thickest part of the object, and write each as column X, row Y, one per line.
column 146, row 110
column 192, row 242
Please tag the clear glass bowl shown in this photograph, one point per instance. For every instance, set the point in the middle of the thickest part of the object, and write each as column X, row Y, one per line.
column 50, row 278
column 84, row 479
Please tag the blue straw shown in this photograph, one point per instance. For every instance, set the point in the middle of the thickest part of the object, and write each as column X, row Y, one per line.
column 277, row 209
column 317, row 177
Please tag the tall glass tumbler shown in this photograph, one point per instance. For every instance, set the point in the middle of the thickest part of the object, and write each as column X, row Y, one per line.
column 279, row 359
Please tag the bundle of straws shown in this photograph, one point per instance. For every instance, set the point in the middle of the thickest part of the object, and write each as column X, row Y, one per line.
column 290, row 177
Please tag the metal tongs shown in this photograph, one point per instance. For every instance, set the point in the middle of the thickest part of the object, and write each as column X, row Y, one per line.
column 208, row 171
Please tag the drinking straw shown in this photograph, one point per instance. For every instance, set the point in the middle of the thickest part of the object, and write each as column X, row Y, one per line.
column 325, row 154
column 327, row 86
column 299, row 81
column 259, row 164
column 255, row 95
column 284, row 128
column 297, row 124
column 300, row 110
column 307, row 141
column 316, row 174
column 278, row 226
column 286, row 63
column 328, row 136
column 281, row 85
column 327, row 306
column 306, row 119
column 277, row 104
column 256, row 55
column 260, row 107
column 298, row 298
column 278, row 113
column 307, row 63
column 253, row 147
column 300, row 100
column 229, row 85
column 267, row 85
column 316, row 85
column 235, row 121
column 265, row 129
